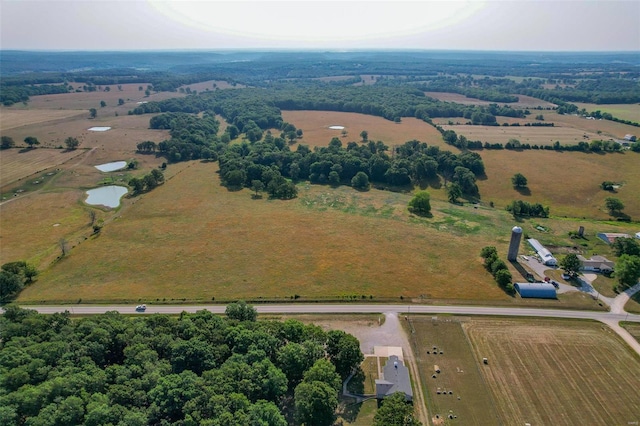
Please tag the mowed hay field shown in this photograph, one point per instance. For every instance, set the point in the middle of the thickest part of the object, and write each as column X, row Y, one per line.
column 553, row 372
column 315, row 125
column 469, row 401
column 15, row 164
column 192, row 239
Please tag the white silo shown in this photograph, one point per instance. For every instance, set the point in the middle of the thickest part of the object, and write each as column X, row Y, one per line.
column 514, row 245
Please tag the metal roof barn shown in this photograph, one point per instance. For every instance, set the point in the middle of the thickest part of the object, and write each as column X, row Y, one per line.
column 536, row 290
column 545, row 255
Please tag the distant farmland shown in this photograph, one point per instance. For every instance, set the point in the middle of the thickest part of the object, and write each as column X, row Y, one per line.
column 523, row 102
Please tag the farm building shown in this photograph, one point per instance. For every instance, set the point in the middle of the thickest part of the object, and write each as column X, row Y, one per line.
column 638, row 235
column 395, row 378
column 630, row 138
column 610, row 237
column 545, row 255
column 536, row 290
column 596, row 264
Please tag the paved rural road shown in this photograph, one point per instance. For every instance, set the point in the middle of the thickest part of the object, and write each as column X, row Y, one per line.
column 346, row 309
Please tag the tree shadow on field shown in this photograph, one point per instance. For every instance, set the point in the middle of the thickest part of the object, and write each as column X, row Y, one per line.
column 523, row 190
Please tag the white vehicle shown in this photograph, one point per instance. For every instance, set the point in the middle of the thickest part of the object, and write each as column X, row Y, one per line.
column 141, row 308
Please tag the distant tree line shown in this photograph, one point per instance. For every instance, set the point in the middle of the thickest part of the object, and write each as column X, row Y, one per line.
column 158, row 369
column 10, row 95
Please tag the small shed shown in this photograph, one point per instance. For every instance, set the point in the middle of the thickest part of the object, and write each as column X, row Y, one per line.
column 536, row 290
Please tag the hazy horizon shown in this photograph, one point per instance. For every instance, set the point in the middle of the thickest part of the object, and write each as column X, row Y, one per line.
column 497, row 26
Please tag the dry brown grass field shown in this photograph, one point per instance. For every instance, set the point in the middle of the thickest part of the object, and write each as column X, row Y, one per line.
column 622, row 111
column 16, row 165
column 204, row 85
column 315, row 125
column 568, row 182
column 608, row 129
column 530, row 135
column 556, row 372
column 191, row 238
column 523, row 102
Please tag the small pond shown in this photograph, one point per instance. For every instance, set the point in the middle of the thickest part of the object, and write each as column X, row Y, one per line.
column 106, row 196
column 336, row 127
column 111, row 167
column 99, row 129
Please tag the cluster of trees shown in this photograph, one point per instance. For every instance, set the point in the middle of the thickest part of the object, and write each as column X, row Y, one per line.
column 13, row 277
column 614, row 205
column 357, row 164
column 523, row 208
column 497, row 268
column 193, row 369
column 192, row 137
column 7, row 142
column 147, row 182
column 628, row 265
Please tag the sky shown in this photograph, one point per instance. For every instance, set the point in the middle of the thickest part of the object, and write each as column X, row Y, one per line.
column 526, row 25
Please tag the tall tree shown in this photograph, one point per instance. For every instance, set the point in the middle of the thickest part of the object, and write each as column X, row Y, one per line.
column 420, row 204
column 31, row 141
column 394, row 411
column 72, row 143
column 241, row 311
column 7, row 142
column 454, row 192
column 519, row 181
column 315, row 403
column 571, row 264
column 93, row 112
column 628, row 270
column 364, row 135
column 614, row 205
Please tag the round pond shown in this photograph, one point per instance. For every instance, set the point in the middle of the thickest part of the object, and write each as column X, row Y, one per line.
column 111, row 167
column 106, row 195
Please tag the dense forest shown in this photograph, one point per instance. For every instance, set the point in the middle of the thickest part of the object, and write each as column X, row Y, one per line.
column 573, row 77
column 194, row 369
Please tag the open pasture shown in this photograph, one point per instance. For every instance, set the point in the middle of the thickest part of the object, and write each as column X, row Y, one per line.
column 607, row 129
column 130, row 93
column 556, row 372
column 568, row 182
column 192, row 239
column 11, row 118
column 523, row 101
column 315, row 125
column 126, row 131
column 531, row 135
column 622, row 111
